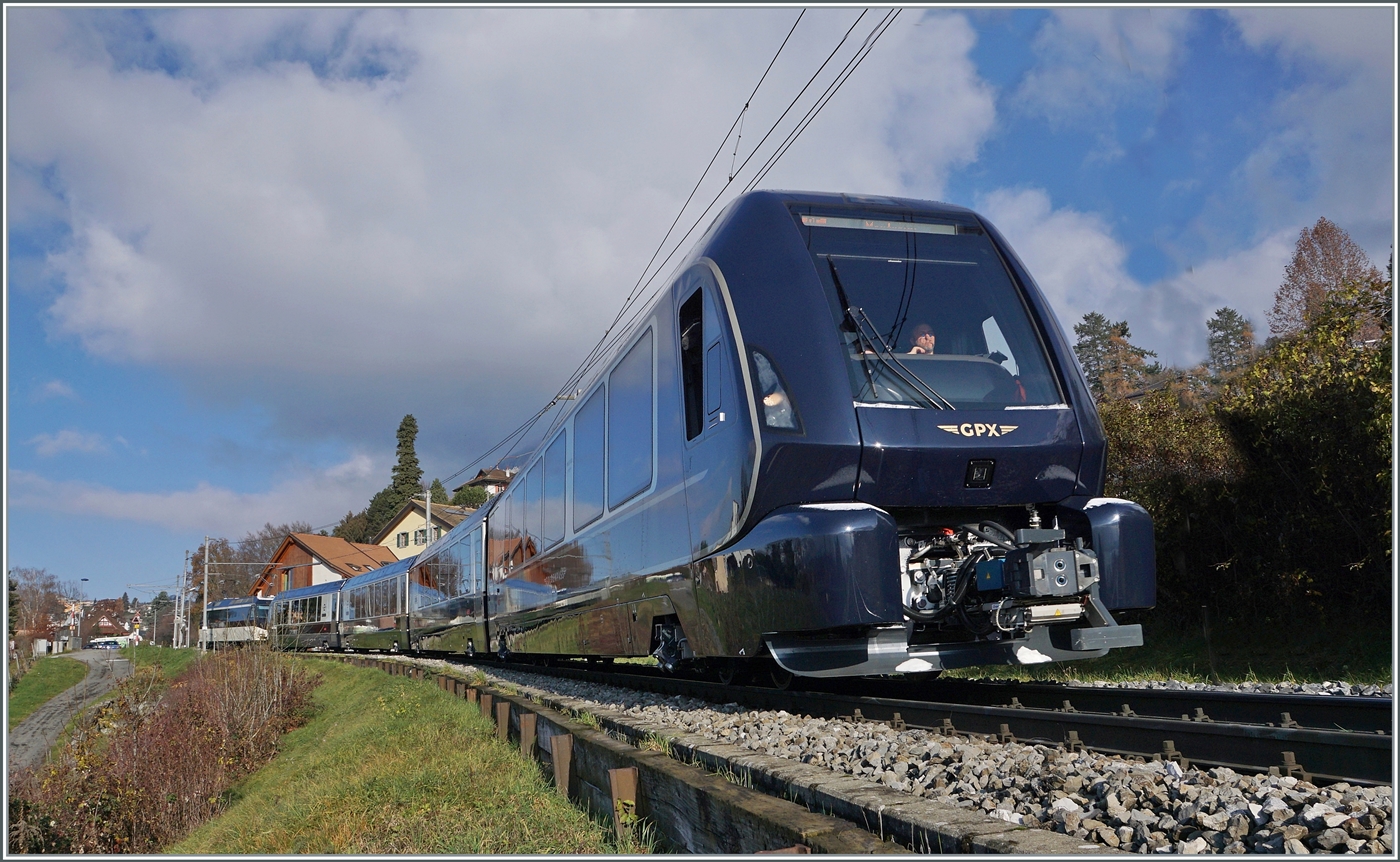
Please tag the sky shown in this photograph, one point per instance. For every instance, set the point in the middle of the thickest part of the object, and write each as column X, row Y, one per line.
column 242, row 244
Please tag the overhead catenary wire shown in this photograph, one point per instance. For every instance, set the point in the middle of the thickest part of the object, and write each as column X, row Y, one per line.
column 613, row 332
column 699, row 219
column 791, row 138
column 864, row 51
column 643, row 279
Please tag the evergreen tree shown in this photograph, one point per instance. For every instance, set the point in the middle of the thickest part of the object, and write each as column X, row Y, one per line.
column 1092, row 347
column 12, row 605
column 354, row 527
column 407, row 474
column 469, row 496
column 1114, row 366
column 382, row 507
column 439, row 493
column 1230, row 343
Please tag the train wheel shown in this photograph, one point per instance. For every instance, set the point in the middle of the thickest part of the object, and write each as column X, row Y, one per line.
column 781, row 679
column 732, row 673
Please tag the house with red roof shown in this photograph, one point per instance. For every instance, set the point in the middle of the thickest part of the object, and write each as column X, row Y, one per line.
column 304, row 559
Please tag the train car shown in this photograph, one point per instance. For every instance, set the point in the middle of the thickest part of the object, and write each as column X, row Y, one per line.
column 447, row 590
column 307, row 617
column 235, row 621
column 373, row 609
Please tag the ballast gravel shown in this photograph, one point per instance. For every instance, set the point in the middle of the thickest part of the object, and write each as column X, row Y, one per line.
column 1156, row 807
column 1319, row 688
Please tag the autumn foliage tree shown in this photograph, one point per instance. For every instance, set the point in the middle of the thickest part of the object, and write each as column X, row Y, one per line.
column 1325, row 259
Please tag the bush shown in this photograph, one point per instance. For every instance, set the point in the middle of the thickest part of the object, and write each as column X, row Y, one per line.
column 1273, row 501
column 154, row 761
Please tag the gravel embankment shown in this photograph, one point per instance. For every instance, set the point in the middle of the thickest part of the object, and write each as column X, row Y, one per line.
column 1136, row 807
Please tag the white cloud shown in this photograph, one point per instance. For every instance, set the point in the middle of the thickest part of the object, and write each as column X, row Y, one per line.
column 56, row 389
column 274, row 221
column 1330, row 146
column 1081, row 267
column 321, row 496
column 48, row 445
column 1130, row 49
column 1339, row 36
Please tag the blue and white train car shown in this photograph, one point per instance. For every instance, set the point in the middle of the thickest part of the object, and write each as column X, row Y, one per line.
column 235, row 621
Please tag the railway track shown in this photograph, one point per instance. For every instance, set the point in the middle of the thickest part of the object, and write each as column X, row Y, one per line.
column 1323, row 739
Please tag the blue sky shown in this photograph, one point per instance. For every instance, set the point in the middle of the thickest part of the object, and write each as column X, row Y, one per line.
column 243, row 243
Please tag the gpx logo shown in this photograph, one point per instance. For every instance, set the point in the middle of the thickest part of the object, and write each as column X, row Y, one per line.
column 977, row 429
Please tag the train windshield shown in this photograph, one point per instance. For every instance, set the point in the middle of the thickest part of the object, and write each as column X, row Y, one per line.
column 929, row 314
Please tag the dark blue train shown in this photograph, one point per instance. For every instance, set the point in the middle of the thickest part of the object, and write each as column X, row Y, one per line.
column 848, row 437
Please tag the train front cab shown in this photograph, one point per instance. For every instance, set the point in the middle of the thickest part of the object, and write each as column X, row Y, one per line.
column 235, row 621
column 871, row 459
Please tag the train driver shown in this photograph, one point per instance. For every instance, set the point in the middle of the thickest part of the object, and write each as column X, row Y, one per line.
column 922, row 339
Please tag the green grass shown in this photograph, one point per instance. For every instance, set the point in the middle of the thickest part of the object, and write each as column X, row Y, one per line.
column 48, row 677
column 1297, row 654
column 394, row 765
column 171, row 661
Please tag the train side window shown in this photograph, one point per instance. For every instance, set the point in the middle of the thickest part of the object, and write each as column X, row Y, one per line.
column 692, row 329
column 555, row 466
column 588, row 459
column 534, row 487
column 712, row 379
column 629, row 424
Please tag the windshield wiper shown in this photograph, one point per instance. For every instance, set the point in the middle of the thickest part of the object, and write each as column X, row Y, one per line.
column 891, row 361
column 851, row 325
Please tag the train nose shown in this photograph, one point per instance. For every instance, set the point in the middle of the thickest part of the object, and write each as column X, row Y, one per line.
column 923, row 458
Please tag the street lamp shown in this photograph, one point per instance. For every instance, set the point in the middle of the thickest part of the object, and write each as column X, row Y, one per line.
column 82, row 596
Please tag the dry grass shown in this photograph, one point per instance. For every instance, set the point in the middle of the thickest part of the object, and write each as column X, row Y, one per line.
column 154, row 760
column 394, row 765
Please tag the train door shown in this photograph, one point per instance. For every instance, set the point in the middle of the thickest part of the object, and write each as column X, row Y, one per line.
column 717, row 455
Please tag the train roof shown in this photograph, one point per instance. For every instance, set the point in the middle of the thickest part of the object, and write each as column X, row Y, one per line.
column 313, row 590
column 457, row 533
column 844, row 199
column 388, row 571
column 238, row 602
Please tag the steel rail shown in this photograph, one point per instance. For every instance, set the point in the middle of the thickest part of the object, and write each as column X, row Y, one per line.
column 1324, row 756
column 1319, row 712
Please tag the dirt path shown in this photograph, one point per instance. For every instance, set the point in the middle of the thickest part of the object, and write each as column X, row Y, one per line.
column 34, row 736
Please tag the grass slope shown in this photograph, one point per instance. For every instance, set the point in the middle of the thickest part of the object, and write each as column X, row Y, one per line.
column 48, row 677
column 171, row 661
column 394, row 765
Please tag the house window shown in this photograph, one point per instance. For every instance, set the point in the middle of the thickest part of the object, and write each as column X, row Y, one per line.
column 420, row 537
column 401, row 540
column 437, row 533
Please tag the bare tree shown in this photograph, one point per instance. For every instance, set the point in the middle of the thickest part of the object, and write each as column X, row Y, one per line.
column 40, row 597
column 236, row 564
column 1324, row 260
